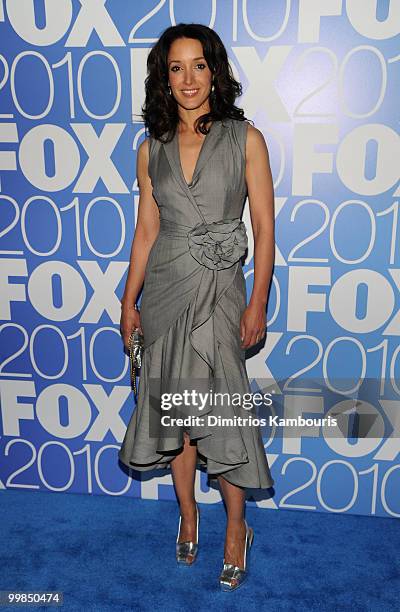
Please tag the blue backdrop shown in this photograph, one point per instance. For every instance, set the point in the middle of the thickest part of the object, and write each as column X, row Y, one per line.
column 321, row 81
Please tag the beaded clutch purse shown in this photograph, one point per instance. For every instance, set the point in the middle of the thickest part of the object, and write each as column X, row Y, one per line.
column 135, row 355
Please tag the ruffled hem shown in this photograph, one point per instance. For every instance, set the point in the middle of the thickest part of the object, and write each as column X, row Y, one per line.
column 171, row 364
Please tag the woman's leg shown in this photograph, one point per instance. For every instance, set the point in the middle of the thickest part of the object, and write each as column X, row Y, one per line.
column 235, row 537
column 183, row 468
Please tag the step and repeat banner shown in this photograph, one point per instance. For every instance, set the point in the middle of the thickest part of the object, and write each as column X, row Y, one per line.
column 321, row 80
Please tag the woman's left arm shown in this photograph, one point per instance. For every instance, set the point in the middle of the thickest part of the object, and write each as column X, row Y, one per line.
column 262, row 212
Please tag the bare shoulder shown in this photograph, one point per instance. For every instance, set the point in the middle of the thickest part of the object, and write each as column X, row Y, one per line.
column 254, row 136
column 143, row 153
column 143, row 149
column 255, row 142
column 142, row 161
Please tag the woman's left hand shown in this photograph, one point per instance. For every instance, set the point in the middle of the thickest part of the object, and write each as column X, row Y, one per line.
column 253, row 325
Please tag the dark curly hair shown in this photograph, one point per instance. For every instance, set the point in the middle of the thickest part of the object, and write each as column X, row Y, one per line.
column 160, row 109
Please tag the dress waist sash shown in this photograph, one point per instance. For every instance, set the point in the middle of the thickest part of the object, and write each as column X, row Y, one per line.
column 216, row 245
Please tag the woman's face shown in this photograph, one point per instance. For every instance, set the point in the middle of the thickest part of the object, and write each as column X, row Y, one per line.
column 188, row 73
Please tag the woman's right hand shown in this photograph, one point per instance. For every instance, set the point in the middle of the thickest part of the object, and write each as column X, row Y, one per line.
column 130, row 319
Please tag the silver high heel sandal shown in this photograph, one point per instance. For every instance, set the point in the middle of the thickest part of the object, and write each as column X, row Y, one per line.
column 186, row 552
column 232, row 576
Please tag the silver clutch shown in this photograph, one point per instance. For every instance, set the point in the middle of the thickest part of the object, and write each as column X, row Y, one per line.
column 135, row 355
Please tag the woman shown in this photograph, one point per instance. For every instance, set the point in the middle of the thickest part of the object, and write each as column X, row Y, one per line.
column 187, row 250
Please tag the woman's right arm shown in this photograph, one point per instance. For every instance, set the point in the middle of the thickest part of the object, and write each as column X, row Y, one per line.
column 147, row 228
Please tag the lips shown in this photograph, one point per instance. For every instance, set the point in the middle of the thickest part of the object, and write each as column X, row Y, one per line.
column 190, row 93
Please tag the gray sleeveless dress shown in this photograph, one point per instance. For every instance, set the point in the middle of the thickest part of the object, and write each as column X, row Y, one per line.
column 194, row 294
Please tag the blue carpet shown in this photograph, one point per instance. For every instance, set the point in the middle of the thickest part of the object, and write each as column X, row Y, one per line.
column 117, row 553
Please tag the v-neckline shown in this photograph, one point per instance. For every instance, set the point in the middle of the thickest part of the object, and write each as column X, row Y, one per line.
column 198, row 157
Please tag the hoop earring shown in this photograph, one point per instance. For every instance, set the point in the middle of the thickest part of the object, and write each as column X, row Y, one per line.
column 169, row 90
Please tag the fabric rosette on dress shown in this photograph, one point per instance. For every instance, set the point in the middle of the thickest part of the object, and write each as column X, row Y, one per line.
column 218, row 245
